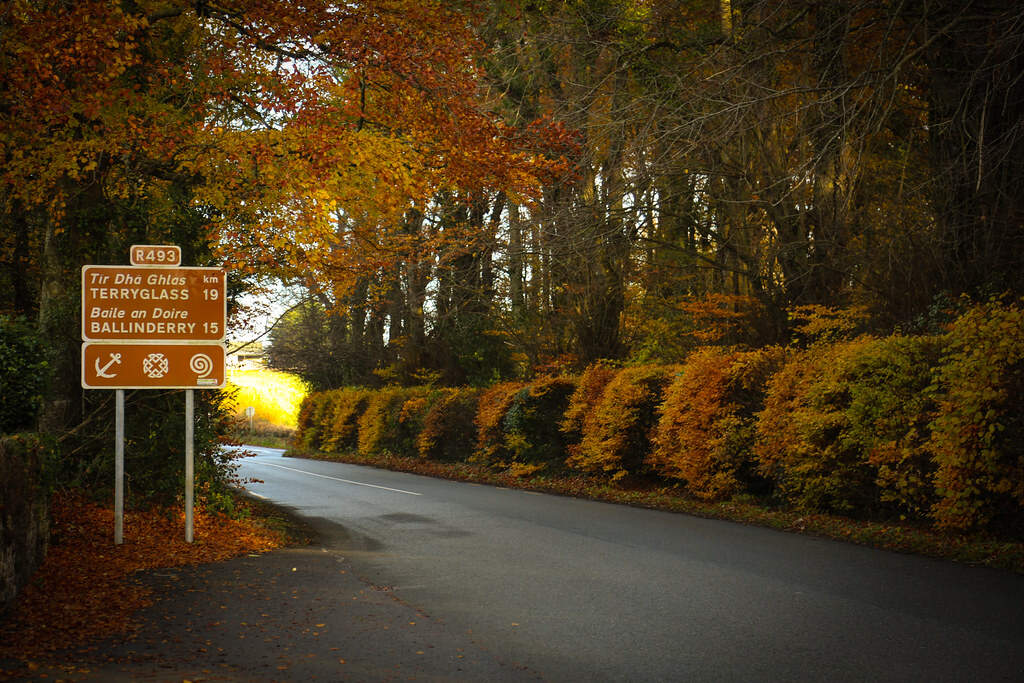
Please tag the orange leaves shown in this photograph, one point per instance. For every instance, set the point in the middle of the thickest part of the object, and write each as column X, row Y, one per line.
column 448, row 431
column 382, row 428
column 67, row 92
column 616, row 436
column 583, row 401
column 494, row 404
column 84, row 592
column 285, row 122
column 704, row 429
column 691, row 438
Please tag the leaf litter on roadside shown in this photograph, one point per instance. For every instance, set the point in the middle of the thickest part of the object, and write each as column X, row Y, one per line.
column 84, row 590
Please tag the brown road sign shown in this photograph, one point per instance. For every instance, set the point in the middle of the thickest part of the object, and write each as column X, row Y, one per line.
column 153, row 366
column 155, row 303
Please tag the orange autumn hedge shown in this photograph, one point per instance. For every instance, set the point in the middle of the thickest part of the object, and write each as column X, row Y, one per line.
column 905, row 426
column 705, row 431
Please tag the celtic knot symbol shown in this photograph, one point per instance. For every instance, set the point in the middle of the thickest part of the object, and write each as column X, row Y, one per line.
column 155, row 365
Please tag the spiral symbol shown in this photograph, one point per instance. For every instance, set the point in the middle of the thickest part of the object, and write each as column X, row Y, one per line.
column 201, row 364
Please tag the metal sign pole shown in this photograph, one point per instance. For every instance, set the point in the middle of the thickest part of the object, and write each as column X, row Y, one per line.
column 189, row 459
column 119, row 467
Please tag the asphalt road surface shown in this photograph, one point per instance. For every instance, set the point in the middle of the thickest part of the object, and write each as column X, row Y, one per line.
column 575, row 590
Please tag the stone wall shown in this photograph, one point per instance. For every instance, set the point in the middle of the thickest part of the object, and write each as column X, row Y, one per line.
column 24, row 512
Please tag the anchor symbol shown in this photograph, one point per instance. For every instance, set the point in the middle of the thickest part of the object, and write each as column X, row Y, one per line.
column 102, row 372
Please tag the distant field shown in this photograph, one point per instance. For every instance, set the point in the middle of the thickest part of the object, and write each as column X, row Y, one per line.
column 275, row 395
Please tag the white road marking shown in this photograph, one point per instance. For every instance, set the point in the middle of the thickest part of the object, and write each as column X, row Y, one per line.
column 345, row 481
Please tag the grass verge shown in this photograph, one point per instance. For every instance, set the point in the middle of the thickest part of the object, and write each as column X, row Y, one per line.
column 907, row 538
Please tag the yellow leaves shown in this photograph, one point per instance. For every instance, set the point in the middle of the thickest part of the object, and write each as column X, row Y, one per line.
column 616, row 436
column 980, row 379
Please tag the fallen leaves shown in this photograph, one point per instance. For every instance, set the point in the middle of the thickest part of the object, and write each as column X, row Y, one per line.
column 84, row 590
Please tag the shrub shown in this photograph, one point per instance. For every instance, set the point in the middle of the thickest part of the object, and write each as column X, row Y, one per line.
column 705, row 431
column 803, row 434
column 585, row 398
column 22, row 375
column 844, row 426
column 530, row 425
column 347, row 407
column 310, row 421
column 413, row 415
column 889, row 411
column 449, row 432
column 382, row 428
column 977, row 436
column 494, row 404
column 304, row 419
column 616, row 435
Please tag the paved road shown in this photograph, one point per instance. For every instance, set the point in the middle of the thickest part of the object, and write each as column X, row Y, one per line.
column 579, row 590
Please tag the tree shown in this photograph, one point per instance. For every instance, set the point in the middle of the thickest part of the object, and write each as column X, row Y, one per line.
column 265, row 118
column 279, row 140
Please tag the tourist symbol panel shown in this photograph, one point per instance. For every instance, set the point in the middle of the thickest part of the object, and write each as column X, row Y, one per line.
column 153, row 366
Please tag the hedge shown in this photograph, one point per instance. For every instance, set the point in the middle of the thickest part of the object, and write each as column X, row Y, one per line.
column 923, row 427
column 977, row 436
column 616, row 434
column 705, row 431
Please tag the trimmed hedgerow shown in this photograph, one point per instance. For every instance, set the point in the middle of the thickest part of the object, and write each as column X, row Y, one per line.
column 927, row 427
column 383, row 428
column 347, row 406
column 493, row 405
column 705, row 431
column 448, row 432
column 530, row 425
column 616, row 435
column 977, row 437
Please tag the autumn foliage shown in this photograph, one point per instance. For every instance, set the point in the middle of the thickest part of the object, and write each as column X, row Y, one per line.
column 922, row 427
column 977, row 437
column 515, row 425
column 392, row 420
column 616, row 435
column 448, row 432
column 705, row 433
column 494, row 404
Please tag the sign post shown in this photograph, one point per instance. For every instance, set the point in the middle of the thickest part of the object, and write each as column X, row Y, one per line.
column 153, row 325
column 190, row 424
column 119, row 467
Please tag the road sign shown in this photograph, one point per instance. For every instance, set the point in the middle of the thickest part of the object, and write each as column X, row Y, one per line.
column 157, row 303
column 155, row 255
column 153, row 366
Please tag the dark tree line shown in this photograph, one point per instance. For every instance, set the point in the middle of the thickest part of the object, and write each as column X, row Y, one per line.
column 730, row 161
